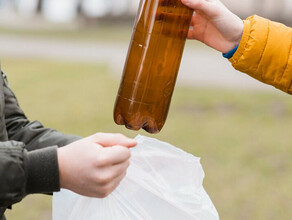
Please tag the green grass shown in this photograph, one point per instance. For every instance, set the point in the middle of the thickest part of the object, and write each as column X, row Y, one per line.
column 243, row 137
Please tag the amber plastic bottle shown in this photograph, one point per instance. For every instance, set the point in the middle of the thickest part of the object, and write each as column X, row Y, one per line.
column 152, row 64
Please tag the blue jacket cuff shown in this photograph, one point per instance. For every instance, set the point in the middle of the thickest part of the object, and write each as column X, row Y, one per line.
column 230, row 53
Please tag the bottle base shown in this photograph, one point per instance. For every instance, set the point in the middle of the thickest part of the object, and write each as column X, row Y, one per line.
column 148, row 126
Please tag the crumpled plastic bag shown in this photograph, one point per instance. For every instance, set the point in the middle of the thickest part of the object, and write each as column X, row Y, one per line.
column 162, row 183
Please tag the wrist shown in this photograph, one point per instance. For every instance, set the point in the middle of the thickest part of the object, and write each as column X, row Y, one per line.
column 61, row 163
column 238, row 33
column 234, row 35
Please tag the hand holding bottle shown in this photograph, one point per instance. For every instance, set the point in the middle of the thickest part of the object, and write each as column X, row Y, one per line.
column 214, row 25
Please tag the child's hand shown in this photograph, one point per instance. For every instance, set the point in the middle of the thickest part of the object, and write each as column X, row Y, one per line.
column 94, row 166
column 214, row 25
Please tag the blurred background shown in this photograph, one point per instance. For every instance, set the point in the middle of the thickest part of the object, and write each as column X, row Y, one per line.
column 64, row 61
column 70, row 10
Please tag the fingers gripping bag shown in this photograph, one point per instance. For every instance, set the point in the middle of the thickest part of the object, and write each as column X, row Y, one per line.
column 162, row 183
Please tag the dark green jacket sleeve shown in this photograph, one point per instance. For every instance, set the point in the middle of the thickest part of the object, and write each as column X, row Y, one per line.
column 13, row 158
column 29, row 158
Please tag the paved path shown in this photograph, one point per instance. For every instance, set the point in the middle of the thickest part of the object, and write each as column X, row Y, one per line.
column 200, row 66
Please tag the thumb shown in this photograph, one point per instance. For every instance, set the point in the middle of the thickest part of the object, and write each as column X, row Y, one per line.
column 108, row 140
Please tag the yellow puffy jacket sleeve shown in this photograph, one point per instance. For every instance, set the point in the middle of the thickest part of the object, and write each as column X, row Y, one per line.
column 265, row 52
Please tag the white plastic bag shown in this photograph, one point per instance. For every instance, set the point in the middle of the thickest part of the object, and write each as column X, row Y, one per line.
column 162, row 183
